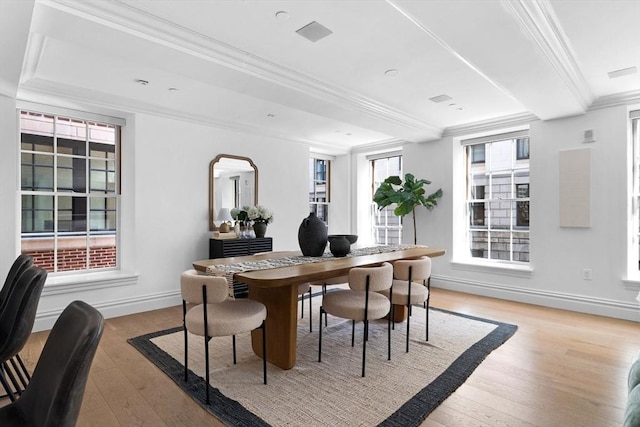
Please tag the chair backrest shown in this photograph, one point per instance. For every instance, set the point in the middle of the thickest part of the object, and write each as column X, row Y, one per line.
column 420, row 269
column 19, row 266
column 191, row 287
column 54, row 394
column 380, row 277
column 16, row 320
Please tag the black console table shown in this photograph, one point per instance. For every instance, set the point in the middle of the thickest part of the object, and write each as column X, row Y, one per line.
column 225, row 248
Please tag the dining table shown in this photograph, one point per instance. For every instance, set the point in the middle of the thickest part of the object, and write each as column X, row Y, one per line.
column 277, row 289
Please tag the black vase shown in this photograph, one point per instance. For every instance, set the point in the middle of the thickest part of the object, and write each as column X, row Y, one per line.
column 339, row 246
column 312, row 236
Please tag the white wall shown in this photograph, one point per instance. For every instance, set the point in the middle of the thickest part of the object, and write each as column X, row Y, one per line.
column 165, row 205
column 558, row 255
column 8, row 184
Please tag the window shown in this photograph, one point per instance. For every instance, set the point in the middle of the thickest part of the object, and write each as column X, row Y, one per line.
column 386, row 227
column 319, row 188
column 497, row 198
column 634, row 233
column 69, row 192
column 522, row 148
column 477, row 153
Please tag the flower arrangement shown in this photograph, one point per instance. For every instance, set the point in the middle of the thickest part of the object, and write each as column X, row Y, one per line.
column 259, row 213
column 240, row 214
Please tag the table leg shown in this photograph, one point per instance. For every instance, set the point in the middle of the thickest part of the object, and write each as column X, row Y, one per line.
column 400, row 313
column 281, row 323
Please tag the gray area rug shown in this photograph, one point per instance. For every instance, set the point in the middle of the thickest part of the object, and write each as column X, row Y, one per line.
column 400, row 392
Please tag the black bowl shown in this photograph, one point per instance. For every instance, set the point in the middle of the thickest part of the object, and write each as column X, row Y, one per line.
column 352, row 238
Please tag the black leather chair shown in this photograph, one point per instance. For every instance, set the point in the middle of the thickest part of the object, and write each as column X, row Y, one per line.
column 54, row 395
column 16, row 321
column 19, row 266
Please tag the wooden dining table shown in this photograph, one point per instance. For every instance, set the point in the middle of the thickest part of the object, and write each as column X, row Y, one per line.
column 277, row 289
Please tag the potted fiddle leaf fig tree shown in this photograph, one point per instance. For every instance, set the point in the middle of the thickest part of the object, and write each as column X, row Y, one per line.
column 406, row 196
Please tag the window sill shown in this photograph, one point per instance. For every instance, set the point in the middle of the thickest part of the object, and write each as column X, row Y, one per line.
column 65, row 284
column 632, row 282
column 493, row 267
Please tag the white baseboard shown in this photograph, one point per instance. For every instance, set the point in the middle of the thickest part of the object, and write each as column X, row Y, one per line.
column 114, row 308
column 573, row 302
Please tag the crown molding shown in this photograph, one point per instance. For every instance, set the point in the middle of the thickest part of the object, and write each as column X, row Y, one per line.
column 624, row 98
column 379, row 146
column 500, row 123
column 538, row 19
column 125, row 17
column 49, row 93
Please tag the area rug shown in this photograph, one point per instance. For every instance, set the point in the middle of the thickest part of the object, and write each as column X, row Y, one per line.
column 400, row 392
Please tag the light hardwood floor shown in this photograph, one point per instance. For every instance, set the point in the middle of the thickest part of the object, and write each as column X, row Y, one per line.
column 560, row 369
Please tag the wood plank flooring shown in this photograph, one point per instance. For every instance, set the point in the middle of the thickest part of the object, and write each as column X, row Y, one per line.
column 560, row 369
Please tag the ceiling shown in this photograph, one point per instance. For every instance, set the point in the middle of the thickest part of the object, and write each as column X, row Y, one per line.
column 240, row 64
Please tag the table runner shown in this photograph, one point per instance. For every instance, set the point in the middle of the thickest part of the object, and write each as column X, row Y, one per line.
column 228, row 270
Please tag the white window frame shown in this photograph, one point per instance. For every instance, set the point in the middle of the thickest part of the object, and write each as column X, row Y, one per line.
column 374, row 211
column 313, row 186
column 633, row 263
column 125, row 274
column 516, row 165
column 57, row 193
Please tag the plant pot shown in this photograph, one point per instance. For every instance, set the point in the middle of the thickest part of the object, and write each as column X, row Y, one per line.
column 260, row 228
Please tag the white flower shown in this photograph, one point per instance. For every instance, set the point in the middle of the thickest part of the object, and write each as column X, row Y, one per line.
column 259, row 213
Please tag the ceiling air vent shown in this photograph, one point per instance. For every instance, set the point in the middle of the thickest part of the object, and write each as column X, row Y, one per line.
column 314, row 31
column 623, row 72
column 440, row 98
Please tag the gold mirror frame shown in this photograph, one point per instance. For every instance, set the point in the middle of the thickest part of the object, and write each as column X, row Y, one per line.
column 212, row 225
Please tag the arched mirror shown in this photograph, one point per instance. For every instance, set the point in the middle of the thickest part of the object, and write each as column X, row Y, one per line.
column 233, row 182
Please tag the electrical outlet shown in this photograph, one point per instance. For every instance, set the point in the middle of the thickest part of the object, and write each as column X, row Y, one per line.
column 587, row 274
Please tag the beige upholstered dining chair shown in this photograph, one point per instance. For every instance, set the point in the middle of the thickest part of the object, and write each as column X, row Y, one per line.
column 361, row 303
column 334, row 281
column 216, row 315
column 411, row 286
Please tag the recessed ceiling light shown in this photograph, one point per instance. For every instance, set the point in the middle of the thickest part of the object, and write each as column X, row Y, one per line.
column 173, row 89
column 453, row 104
column 459, row 109
column 142, row 82
column 282, row 15
column 391, row 73
column 314, row 31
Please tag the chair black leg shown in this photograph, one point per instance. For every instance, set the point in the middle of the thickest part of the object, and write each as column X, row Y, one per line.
column 264, row 351
column 364, row 344
column 324, row 291
column 5, row 384
column 233, row 340
column 310, row 312
column 302, row 308
column 388, row 337
column 353, row 332
column 408, row 323
column 206, row 362
column 320, row 335
column 13, row 379
column 186, row 352
column 24, row 368
column 427, row 320
column 18, row 372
